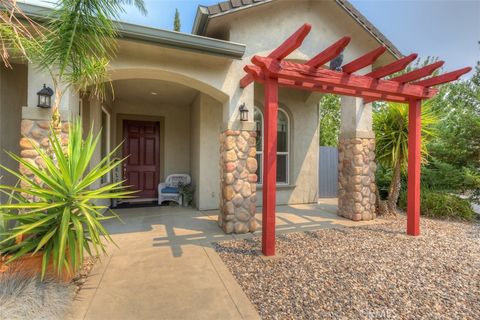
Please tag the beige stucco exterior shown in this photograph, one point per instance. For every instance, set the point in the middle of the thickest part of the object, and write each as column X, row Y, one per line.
column 190, row 129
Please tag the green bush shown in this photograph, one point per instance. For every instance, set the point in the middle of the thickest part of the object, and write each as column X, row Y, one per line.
column 442, row 205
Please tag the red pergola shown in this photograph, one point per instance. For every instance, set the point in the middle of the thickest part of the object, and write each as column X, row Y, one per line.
column 272, row 71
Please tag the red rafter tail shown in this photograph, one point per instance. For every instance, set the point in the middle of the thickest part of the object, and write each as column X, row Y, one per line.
column 329, row 53
column 418, row 73
column 363, row 61
column 246, row 80
column 392, row 67
column 292, row 43
column 443, row 78
column 253, row 71
column 283, row 50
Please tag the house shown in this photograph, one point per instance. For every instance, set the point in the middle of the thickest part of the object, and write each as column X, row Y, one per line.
column 176, row 103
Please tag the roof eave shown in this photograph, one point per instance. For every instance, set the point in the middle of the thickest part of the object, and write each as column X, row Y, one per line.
column 168, row 38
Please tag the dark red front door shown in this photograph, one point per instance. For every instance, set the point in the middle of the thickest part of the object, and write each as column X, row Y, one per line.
column 142, row 146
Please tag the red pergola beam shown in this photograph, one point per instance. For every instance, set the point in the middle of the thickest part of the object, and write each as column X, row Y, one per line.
column 418, row 73
column 287, row 47
column 301, row 73
column 443, row 78
column 392, row 67
column 363, row 61
column 329, row 53
column 259, row 76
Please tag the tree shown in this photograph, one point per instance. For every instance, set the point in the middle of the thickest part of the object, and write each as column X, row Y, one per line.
column 459, row 127
column 390, row 123
column 176, row 21
column 329, row 125
column 79, row 44
column 17, row 32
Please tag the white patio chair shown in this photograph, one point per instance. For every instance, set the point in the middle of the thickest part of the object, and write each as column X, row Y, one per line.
column 169, row 191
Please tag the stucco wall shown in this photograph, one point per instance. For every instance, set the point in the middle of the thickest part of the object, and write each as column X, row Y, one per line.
column 210, row 125
column 302, row 110
column 195, row 147
column 13, row 95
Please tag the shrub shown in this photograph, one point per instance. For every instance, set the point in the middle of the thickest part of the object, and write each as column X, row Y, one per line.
column 442, row 205
column 23, row 296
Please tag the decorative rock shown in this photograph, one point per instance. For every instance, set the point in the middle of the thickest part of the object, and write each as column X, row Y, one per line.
column 228, row 193
column 242, row 214
column 26, row 143
column 44, row 124
column 229, row 178
column 28, row 153
column 26, row 126
column 229, row 208
column 246, row 190
column 240, row 227
column 230, row 156
column 229, row 143
column 228, row 227
column 252, row 165
column 252, row 225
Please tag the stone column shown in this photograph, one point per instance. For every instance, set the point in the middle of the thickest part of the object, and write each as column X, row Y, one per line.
column 356, row 157
column 238, row 181
column 35, row 132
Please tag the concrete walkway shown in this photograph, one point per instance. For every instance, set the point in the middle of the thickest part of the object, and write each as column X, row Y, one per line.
column 165, row 267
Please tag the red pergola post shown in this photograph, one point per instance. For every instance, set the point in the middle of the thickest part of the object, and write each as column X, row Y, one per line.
column 414, row 156
column 269, row 166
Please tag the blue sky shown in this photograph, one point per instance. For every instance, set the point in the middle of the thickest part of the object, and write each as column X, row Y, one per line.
column 449, row 29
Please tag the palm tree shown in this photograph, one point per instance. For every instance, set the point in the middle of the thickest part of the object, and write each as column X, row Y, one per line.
column 17, row 32
column 79, row 44
column 390, row 123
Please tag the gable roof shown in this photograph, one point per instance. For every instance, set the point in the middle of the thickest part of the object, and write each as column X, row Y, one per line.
column 204, row 13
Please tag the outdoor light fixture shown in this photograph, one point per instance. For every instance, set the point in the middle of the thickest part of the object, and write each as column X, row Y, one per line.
column 243, row 112
column 45, row 97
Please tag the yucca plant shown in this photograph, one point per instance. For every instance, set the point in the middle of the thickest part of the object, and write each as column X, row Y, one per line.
column 390, row 124
column 56, row 212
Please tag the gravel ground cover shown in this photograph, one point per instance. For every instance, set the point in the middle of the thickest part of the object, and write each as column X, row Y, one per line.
column 370, row 272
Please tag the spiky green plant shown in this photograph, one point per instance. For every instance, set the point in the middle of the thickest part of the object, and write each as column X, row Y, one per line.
column 63, row 219
column 390, row 124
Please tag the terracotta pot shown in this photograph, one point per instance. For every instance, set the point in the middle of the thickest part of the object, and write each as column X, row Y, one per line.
column 32, row 264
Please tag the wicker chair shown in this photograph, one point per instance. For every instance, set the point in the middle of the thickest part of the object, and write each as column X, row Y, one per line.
column 169, row 191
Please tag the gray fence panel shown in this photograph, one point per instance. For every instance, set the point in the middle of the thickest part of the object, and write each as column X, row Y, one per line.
column 328, row 172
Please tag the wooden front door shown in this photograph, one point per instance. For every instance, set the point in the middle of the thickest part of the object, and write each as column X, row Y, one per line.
column 142, row 146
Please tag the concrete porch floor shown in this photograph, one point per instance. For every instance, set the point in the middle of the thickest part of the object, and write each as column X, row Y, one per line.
column 165, row 268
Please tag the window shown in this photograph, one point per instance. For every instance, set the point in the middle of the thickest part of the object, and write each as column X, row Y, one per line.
column 283, row 145
column 105, row 140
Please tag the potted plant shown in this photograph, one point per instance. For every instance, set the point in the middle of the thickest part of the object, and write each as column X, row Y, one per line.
column 187, row 191
column 57, row 213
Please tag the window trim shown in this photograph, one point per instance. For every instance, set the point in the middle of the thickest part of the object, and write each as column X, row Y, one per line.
column 287, row 153
column 107, row 143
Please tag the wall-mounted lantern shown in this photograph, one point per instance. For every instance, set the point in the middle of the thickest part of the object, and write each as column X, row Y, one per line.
column 45, row 97
column 243, row 112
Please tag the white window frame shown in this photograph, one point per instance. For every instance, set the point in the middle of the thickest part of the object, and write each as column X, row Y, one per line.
column 108, row 176
column 287, row 153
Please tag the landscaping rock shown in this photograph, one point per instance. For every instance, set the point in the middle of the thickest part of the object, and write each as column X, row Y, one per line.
column 368, row 272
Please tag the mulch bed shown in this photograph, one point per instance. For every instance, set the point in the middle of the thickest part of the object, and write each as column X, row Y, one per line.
column 371, row 272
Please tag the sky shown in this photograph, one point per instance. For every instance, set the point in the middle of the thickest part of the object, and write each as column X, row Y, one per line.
column 448, row 29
